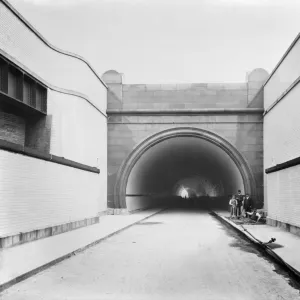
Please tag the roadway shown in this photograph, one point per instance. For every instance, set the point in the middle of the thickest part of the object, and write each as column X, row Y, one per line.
column 177, row 254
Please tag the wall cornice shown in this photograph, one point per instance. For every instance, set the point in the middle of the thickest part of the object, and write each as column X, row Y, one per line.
column 224, row 111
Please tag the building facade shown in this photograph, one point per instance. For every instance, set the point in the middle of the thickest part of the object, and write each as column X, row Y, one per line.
column 282, row 141
column 59, row 119
column 53, row 135
column 162, row 135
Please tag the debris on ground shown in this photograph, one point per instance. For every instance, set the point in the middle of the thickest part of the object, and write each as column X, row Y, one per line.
column 246, row 221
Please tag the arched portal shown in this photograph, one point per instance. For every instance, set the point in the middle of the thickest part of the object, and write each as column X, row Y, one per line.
column 165, row 161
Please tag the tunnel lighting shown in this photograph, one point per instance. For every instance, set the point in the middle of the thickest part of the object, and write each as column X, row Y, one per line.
column 184, row 193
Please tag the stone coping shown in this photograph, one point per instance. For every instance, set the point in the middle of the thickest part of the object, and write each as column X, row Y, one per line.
column 30, row 236
column 185, row 111
column 284, row 165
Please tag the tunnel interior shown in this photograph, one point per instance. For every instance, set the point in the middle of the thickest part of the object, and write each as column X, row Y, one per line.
column 183, row 171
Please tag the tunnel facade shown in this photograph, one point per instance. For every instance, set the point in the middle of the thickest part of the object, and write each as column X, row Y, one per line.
column 181, row 159
column 204, row 139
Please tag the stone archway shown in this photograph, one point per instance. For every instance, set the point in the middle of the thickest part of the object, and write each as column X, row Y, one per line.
column 144, row 146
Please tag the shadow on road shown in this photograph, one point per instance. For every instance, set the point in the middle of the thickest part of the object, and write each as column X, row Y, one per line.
column 149, row 223
column 239, row 241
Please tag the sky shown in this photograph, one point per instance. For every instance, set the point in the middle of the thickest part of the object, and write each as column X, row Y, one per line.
column 169, row 41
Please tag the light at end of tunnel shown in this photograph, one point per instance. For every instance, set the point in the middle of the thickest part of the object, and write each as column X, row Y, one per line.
column 184, row 193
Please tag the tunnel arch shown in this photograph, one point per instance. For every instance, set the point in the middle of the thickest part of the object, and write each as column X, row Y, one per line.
column 151, row 141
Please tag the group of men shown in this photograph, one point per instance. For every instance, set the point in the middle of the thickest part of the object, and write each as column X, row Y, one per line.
column 242, row 206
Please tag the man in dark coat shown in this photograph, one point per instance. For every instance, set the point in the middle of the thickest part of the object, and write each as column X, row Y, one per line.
column 248, row 205
column 239, row 198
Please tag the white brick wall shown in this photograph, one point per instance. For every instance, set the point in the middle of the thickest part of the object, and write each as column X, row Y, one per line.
column 284, row 76
column 12, row 128
column 59, row 70
column 79, row 133
column 36, row 193
column 282, row 141
column 282, row 130
column 284, row 195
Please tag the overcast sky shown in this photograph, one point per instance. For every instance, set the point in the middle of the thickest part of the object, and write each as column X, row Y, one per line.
column 169, row 41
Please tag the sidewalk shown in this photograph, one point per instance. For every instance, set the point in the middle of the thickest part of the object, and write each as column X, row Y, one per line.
column 20, row 262
column 284, row 250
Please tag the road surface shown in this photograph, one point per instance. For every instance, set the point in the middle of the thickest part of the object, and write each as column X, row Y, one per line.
column 173, row 255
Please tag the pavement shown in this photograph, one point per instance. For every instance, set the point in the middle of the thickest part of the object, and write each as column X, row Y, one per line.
column 20, row 262
column 175, row 254
column 284, row 250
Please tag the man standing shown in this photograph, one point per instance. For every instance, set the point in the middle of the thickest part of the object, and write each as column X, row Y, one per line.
column 232, row 203
column 239, row 198
column 247, row 204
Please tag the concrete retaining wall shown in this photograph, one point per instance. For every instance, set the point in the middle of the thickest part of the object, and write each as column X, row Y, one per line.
column 282, row 143
column 36, row 194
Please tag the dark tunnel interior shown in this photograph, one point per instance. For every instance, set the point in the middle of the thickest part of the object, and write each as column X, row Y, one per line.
column 183, row 171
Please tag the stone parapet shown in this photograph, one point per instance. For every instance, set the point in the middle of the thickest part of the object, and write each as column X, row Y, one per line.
column 25, row 237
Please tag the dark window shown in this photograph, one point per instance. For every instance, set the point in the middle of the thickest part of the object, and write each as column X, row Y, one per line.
column 3, row 75
column 29, row 92
column 15, row 82
column 41, row 98
column 17, row 88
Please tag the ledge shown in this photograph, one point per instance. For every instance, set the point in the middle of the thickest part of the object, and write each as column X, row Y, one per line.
column 282, row 58
column 284, row 165
column 33, row 235
column 289, row 89
column 185, row 111
column 12, row 147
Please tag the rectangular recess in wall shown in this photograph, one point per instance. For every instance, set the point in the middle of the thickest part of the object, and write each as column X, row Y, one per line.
column 15, row 83
column 41, row 98
column 29, row 92
column 20, row 90
column 3, row 76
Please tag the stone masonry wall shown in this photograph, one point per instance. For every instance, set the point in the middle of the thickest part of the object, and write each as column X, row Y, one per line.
column 36, row 193
column 245, row 132
column 129, row 129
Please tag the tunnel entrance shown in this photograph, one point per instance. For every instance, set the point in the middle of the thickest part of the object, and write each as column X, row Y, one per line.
column 182, row 167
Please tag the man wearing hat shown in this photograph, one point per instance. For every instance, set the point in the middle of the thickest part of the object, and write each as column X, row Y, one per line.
column 239, row 198
column 247, row 204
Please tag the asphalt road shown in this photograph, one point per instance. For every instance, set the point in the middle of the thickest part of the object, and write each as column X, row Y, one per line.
column 173, row 255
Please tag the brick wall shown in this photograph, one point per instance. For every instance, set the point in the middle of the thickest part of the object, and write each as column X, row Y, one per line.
column 179, row 96
column 12, row 128
column 35, row 193
column 283, row 196
column 282, row 139
column 281, row 144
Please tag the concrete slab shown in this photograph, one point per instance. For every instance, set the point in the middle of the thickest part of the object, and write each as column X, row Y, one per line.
column 177, row 254
column 21, row 262
column 287, row 245
column 284, row 250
